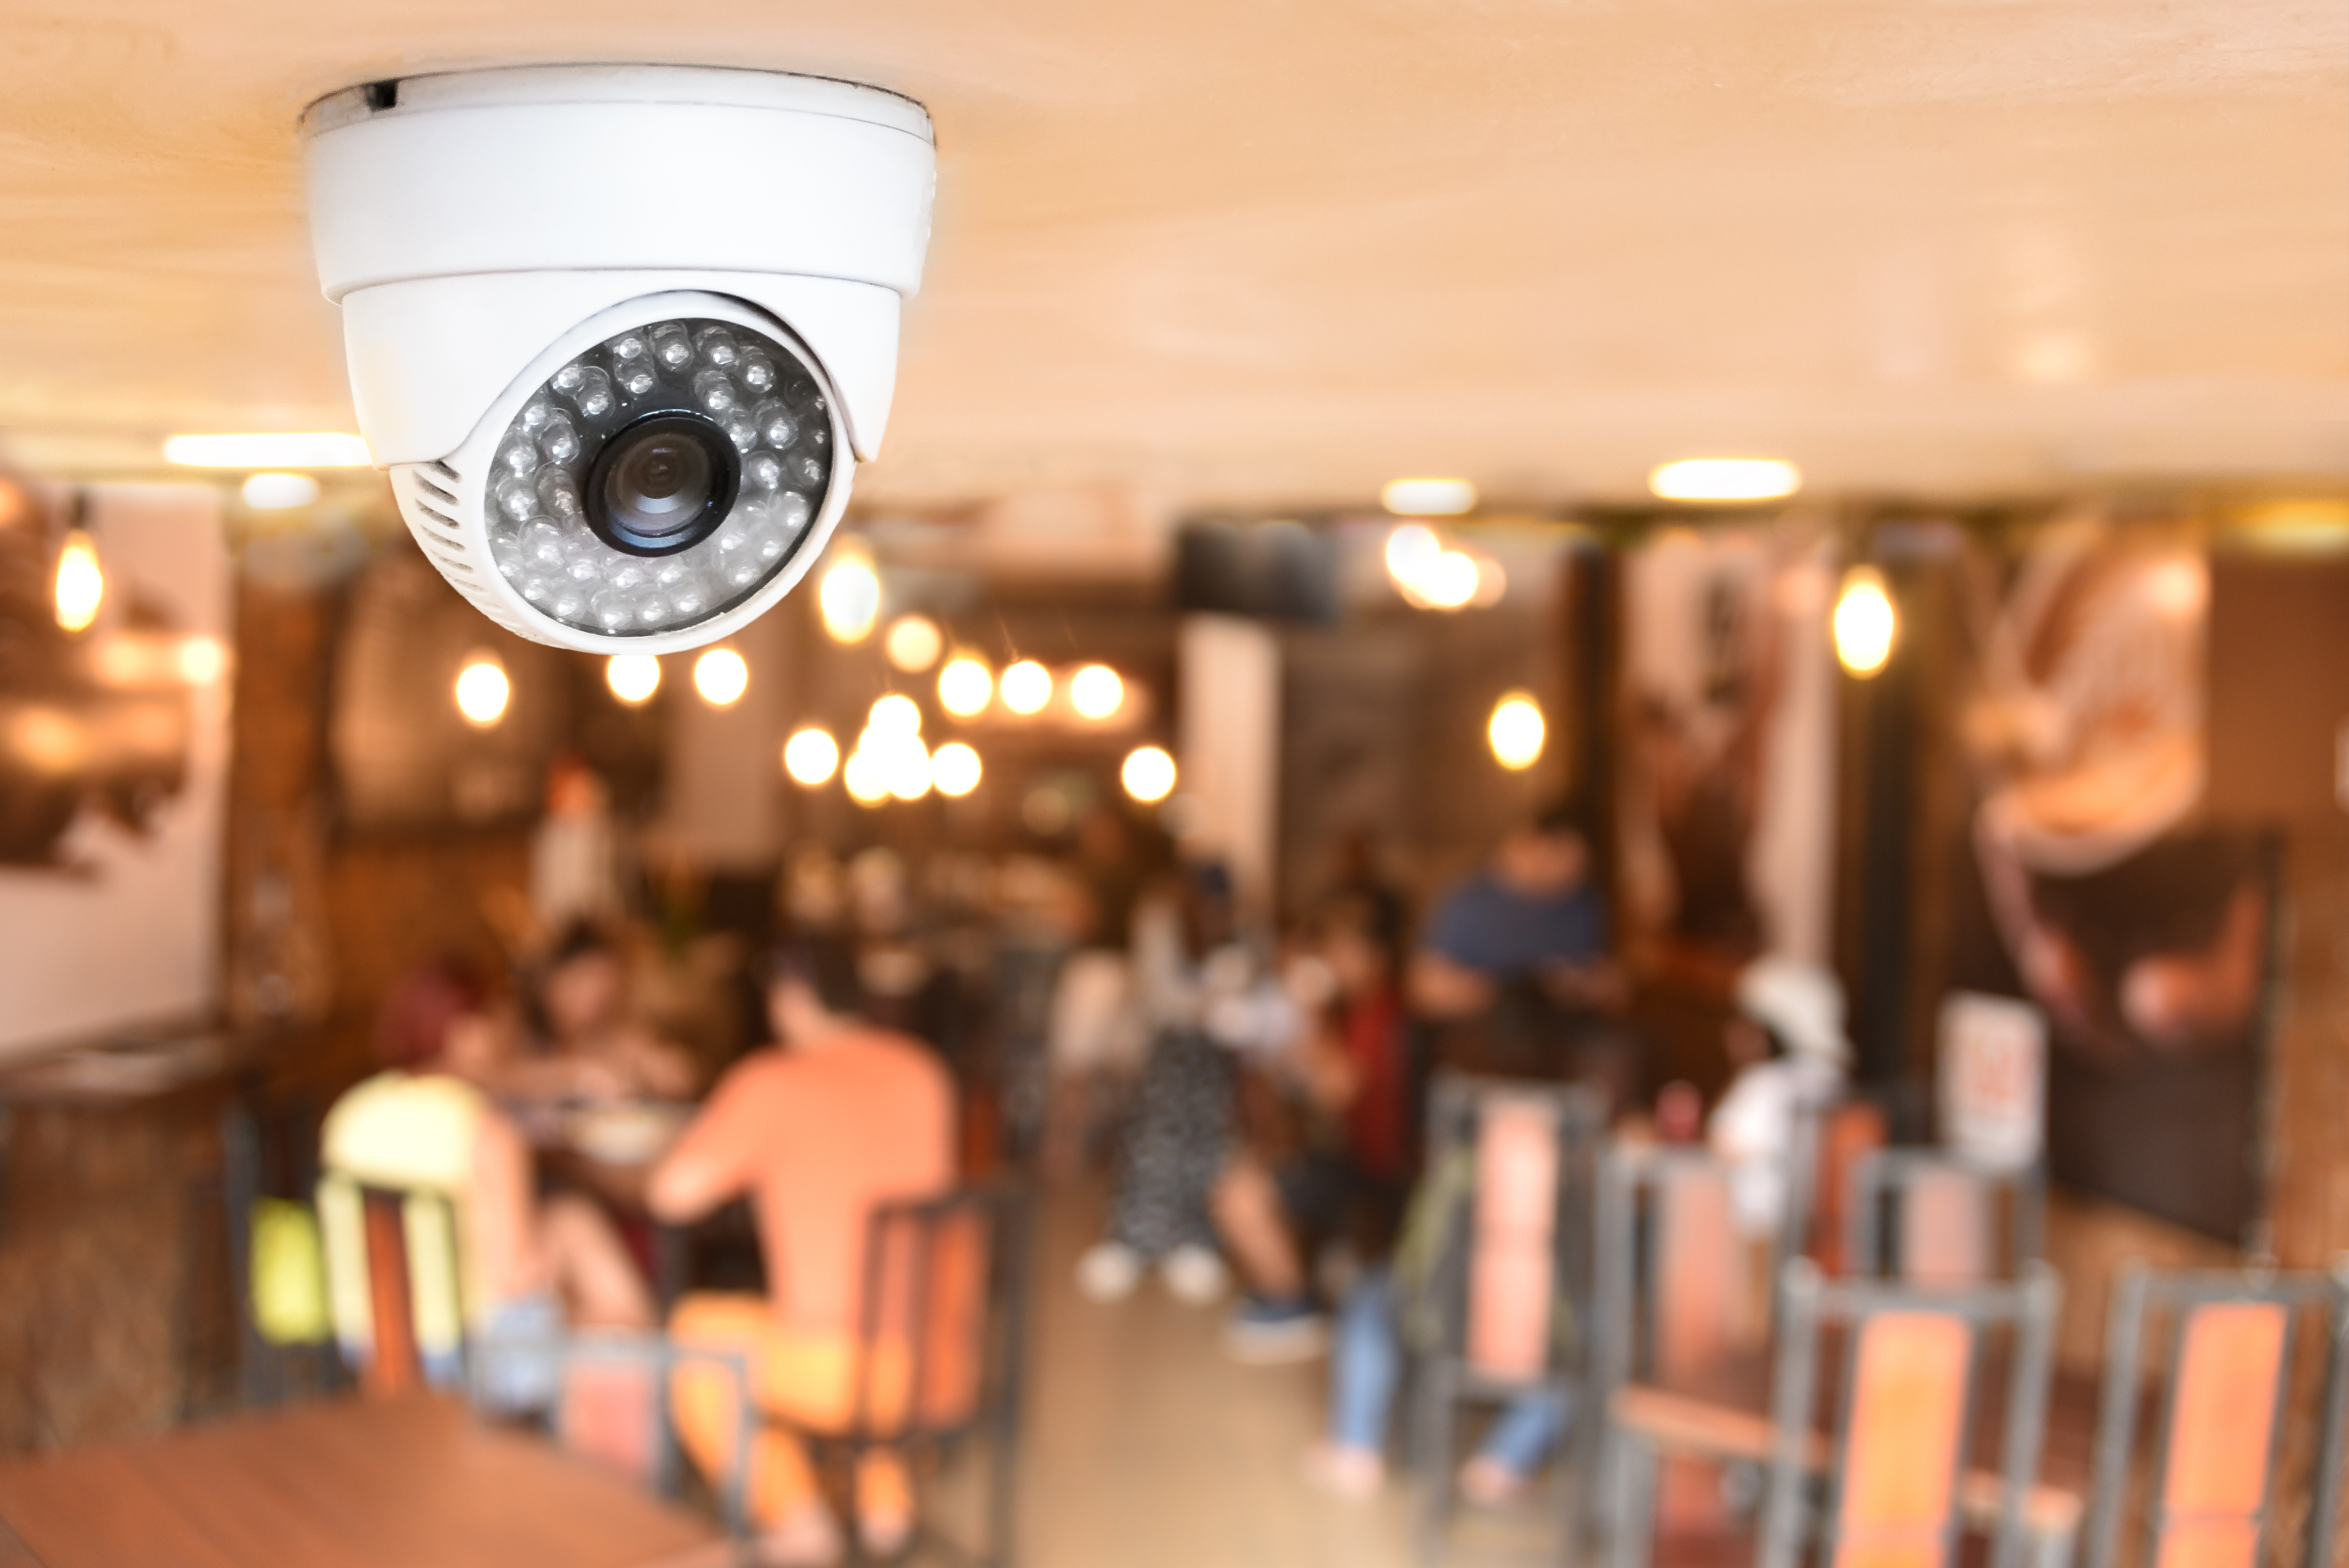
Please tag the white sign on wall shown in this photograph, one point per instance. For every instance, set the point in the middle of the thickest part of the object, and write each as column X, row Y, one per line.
column 1993, row 1079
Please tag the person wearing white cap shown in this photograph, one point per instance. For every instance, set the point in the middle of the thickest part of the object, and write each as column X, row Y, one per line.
column 1787, row 1043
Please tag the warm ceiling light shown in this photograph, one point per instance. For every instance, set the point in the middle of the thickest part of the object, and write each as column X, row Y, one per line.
column 811, row 757
column 81, row 585
column 1428, row 497
column 912, row 644
column 850, row 598
column 201, row 660
column 482, row 690
column 633, row 677
column 1516, row 731
column 1026, row 686
column 1725, row 479
column 1096, row 692
column 966, row 687
column 277, row 493
column 896, row 714
column 1866, row 624
column 270, row 449
column 904, row 763
column 862, row 774
column 953, row 768
column 722, row 677
column 1148, row 774
column 1411, row 549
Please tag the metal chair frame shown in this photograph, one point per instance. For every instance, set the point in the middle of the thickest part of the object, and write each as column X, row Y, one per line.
column 2140, row 1293
column 1885, row 1175
column 1629, row 1260
column 1445, row 1377
column 1007, row 1211
column 1795, row 1466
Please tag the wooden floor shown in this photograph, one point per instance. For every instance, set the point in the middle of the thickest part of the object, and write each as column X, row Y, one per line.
column 1149, row 1448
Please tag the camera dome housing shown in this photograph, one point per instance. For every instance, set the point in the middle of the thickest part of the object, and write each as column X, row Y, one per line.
column 495, row 236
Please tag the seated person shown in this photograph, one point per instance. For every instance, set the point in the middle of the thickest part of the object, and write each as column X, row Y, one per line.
column 424, row 1125
column 1515, row 965
column 589, row 1047
column 1786, row 1045
column 839, row 1117
column 1349, row 1182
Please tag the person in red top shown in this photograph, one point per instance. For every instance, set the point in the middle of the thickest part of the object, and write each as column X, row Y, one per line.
column 1356, row 1074
column 843, row 1117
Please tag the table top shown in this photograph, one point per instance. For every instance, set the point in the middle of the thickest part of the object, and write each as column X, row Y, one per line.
column 414, row 1482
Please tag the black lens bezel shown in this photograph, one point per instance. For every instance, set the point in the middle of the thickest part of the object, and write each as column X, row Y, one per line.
column 725, row 463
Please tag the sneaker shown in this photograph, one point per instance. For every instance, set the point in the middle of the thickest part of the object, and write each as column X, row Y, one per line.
column 1196, row 1275
column 1356, row 1475
column 1108, row 1271
column 1263, row 1333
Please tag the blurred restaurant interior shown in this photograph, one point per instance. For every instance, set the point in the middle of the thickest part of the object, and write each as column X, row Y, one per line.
column 1574, row 790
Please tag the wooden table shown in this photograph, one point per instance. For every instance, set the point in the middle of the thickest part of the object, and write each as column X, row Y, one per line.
column 414, row 1482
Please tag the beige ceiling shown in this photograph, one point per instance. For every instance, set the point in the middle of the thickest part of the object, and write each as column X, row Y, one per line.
column 1254, row 251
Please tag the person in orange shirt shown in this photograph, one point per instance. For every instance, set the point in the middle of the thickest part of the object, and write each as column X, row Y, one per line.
column 841, row 1118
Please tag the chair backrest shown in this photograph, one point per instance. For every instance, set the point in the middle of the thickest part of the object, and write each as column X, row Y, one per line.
column 1675, row 1277
column 392, row 1283
column 1830, row 1141
column 1515, row 1279
column 1953, row 1220
column 1900, row 1444
column 2227, row 1375
column 944, row 1316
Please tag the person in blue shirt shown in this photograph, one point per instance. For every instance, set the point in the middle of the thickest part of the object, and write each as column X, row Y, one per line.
column 1514, row 967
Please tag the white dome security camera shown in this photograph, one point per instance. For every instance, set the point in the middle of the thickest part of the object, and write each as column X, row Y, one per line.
column 620, row 332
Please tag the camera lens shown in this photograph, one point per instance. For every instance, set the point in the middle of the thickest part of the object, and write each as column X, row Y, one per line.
column 663, row 484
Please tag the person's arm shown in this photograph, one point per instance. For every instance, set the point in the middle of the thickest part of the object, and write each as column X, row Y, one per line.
column 711, row 1162
column 1596, row 983
column 1442, row 987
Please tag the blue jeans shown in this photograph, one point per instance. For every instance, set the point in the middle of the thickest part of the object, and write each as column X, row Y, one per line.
column 1366, row 1363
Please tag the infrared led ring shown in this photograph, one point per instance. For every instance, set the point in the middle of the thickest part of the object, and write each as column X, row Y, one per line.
column 659, row 478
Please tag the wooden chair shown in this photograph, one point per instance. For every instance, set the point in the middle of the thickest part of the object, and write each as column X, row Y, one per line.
column 1510, row 1291
column 1682, row 1295
column 1953, row 1220
column 1830, row 1141
column 942, row 1337
column 608, row 1390
column 2227, row 1375
column 1890, row 1483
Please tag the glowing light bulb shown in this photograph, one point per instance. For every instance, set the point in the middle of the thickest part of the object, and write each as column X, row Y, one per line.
column 1148, row 774
column 906, row 768
column 1026, row 686
column 912, row 644
column 1428, row 497
column 1096, row 692
column 1411, row 549
column 722, row 677
column 1866, row 624
column 896, row 714
column 80, row 584
column 862, row 774
column 633, row 677
column 277, row 493
column 953, row 768
column 1516, row 731
column 811, row 757
column 1725, row 479
column 850, row 598
column 966, row 687
column 202, row 660
column 482, row 690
